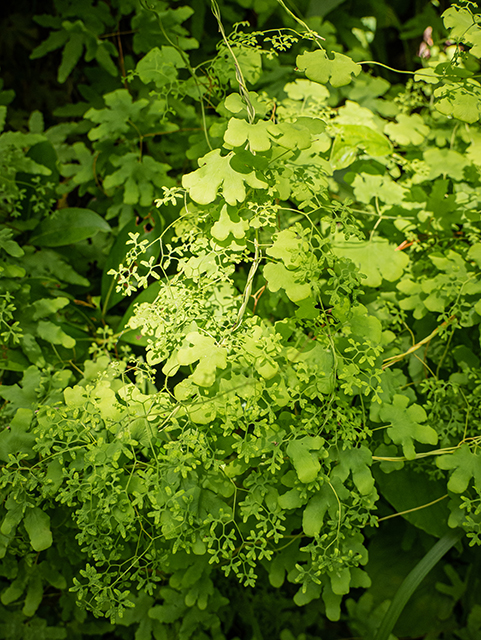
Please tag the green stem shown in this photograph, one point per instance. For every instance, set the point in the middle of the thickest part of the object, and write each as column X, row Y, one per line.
column 413, row 580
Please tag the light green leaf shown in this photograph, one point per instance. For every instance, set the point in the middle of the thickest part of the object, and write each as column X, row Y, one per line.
column 54, row 334
column 216, row 172
column 228, row 223
column 408, row 129
column 464, row 28
column 278, row 277
column 445, row 162
column 465, row 464
column 350, row 138
column 67, row 226
column 211, row 356
column 406, row 425
column 293, row 135
column 37, row 524
column 377, row 259
column 460, row 100
column 318, row 67
column 48, row 306
column 474, row 253
column 239, row 132
column 367, row 186
column 290, row 247
column 306, row 463
column 357, row 462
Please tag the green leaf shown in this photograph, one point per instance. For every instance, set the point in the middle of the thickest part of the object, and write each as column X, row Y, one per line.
column 210, row 356
column 67, row 226
column 408, row 491
column 34, row 595
column 48, row 306
column 8, row 245
column 149, row 229
column 378, row 260
column 464, row 28
column 160, row 66
column 229, row 223
column 306, row 463
column 408, row 129
column 406, row 425
column 356, row 462
column 13, row 517
column 216, row 172
column 318, row 67
column 114, row 120
column 278, row 277
column 137, row 178
column 466, row 464
column 350, row 138
column 313, row 514
column 239, row 132
column 72, row 50
column 55, row 40
column 3, row 115
column 54, row 334
column 37, row 524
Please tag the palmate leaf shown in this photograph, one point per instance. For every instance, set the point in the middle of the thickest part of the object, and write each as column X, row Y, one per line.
column 160, row 66
column 305, row 461
column 407, row 130
column 138, row 178
column 76, row 36
column 350, row 138
column 113, row 121
column 318, row 67
column 460, row 100
column 377, row 259
column 210, row 356
column 216, row 172
column 464, row 28
column 278, row 277
column 406, row 425
column 240, row 131
column 465, row 464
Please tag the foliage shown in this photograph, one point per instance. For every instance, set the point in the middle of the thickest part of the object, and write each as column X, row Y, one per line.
column 240, row 326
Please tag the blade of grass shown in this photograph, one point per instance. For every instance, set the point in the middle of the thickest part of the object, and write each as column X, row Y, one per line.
column 413, row 580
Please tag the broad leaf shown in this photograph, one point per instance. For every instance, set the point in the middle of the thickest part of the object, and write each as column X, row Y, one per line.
column 465, row 464
column 405, row 425
column 67, row 226
column 319, row 67
column 216, row 172
column 37, row 524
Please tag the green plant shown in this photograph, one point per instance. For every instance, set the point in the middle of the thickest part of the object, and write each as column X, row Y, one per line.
column 310, row 318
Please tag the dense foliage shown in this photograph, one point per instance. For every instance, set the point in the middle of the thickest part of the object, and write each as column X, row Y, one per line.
column 240, row 307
